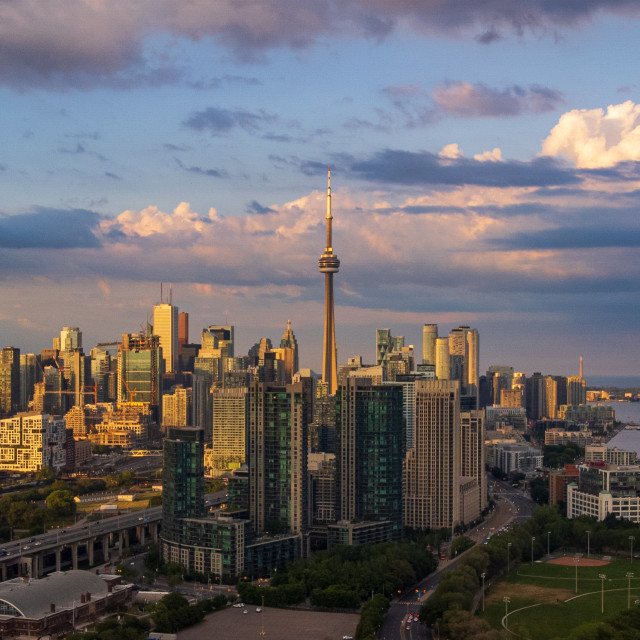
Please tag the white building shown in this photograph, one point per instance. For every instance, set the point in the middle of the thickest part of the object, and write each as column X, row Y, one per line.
column 605, row 488
column 30, row 441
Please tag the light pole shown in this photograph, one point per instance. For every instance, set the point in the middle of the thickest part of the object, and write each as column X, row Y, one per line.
column 631, row 539
column 588, row 542
column 533, row 539
column 482, row 575
column 602, row 577
column 508, row 557
column 629, row 576
column 548, row 537
column 576, row 559
column 507, row 600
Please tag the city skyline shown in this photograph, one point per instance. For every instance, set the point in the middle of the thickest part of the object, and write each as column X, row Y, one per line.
column 485, row 167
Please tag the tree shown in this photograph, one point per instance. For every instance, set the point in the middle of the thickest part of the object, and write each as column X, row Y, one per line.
column 61, row 503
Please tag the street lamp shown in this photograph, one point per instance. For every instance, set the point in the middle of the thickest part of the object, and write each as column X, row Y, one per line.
column 548, row 537
column 508, row 557
column 631, row 539
column 629, row 576
column 533, row 539
column 507, row 600
column 588, row 542
column 482, row 575
column 602, row 577
column 576, row 559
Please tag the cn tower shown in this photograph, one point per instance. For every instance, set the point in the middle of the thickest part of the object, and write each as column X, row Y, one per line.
column 329, row 264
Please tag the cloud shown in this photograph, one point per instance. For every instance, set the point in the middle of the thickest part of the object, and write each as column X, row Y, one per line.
column 465, row 100
column 219, row 121
column 76, row 44
column 51, row 229
column 593, row 138
column 424, row 168
column 210, row 173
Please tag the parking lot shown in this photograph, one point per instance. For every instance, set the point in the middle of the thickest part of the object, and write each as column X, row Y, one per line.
column 280, row 624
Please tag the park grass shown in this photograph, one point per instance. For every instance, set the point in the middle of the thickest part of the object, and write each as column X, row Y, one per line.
column 543, row 603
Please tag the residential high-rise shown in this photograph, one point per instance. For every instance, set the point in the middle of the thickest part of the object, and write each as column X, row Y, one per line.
column 464, row 351
column 576, row 390
column 429, row 335
column 443, row 359
column 29, row 375
column 182, row 479
column 30, row 441
column 9, row 381
column 277, row 455
column 165, row 326
column 329, row 264
column 176, row 408
column 472, row 467
column 432, row 470
column 229, row 428
column 369, row 452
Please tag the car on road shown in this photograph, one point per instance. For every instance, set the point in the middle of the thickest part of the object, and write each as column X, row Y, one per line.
column 245, row 611
column 258, row 610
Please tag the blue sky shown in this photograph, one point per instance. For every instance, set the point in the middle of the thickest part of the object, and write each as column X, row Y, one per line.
column 485, row 171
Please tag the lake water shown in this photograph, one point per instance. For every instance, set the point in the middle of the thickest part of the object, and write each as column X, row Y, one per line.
column 627, row 439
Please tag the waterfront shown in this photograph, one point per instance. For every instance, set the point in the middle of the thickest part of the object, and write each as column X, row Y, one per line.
column 627, row 439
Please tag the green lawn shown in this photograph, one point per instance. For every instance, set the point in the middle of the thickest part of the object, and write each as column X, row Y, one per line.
column 552, row 589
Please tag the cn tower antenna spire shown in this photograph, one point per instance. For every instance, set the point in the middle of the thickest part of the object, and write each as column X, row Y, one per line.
column 329, row 264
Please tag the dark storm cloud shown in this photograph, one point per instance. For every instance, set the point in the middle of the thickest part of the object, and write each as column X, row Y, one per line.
column 424, row 168
column 573, row 238
column 50, row 229
column 218, row 121
column 79, row 45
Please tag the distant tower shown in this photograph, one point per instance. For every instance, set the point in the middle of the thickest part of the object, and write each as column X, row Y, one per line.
column 165, row 326
column 329, row 264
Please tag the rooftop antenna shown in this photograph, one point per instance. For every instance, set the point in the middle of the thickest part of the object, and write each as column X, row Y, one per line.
column 581, row 366
column 161, row 293
column 170, row 294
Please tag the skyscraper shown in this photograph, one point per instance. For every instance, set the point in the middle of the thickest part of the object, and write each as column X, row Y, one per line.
column 429, row 335
column 9, row 381
column 182, row 479
column 165, row 326
column 329, row 264
column 432, row 469
column 140, row 371
column 370, row 450
column 277, row 455
column 443, row 359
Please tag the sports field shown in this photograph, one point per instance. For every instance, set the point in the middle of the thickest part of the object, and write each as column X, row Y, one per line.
column 546, row 601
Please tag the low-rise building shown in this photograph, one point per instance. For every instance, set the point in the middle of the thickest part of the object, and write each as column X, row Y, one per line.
column 58, row 603
column 605, row 488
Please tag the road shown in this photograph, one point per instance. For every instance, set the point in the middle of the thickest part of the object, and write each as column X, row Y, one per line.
column 512, row 505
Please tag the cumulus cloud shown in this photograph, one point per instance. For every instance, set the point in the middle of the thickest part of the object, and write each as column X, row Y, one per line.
column 593, row 138
column 466, row 100
column 77, row 43
column 495, row 155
